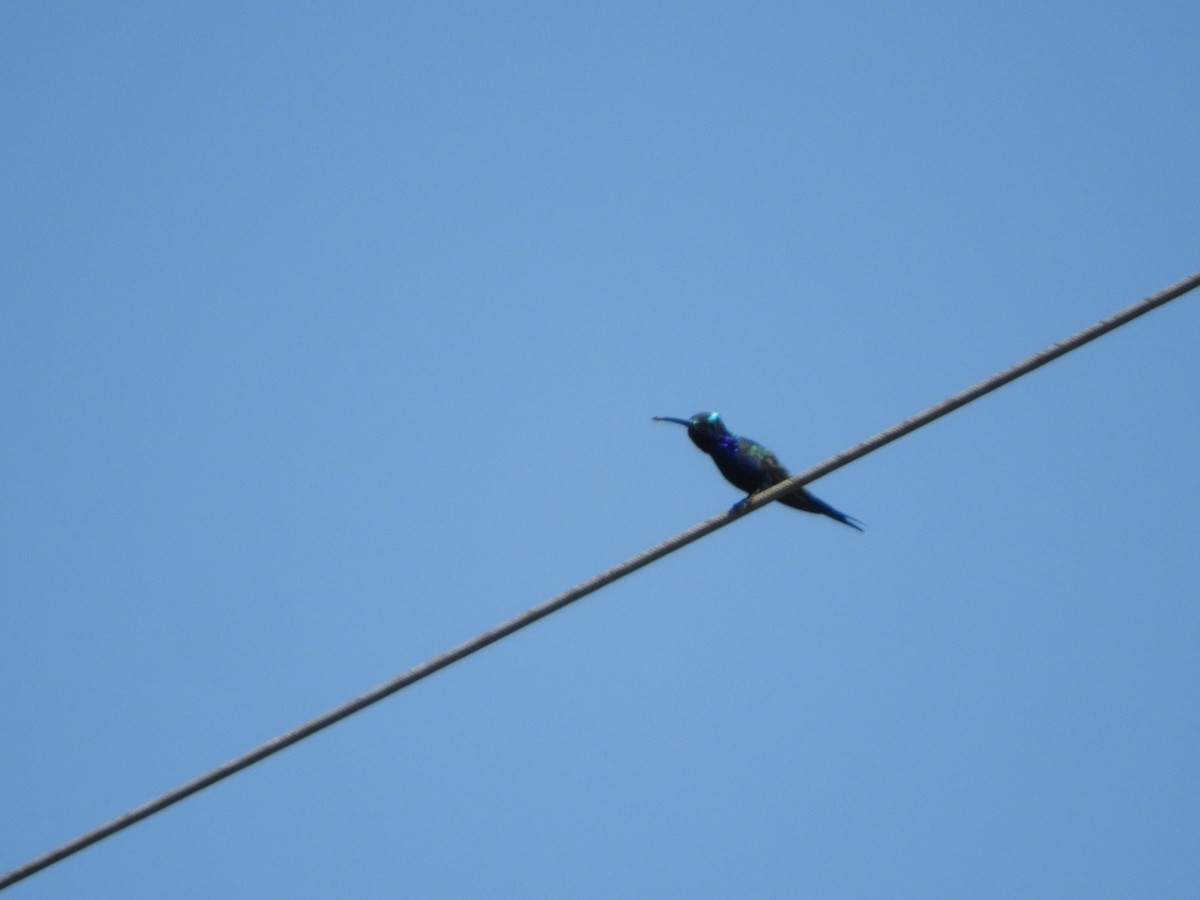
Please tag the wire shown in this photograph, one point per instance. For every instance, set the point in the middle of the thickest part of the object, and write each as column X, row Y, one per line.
column 596, row 582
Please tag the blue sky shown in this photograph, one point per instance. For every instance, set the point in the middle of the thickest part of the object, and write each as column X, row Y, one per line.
column 331, row 335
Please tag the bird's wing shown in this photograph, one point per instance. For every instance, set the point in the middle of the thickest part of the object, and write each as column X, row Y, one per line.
column 771, row 469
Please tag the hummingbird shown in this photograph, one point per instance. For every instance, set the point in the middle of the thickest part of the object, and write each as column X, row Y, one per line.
column 749, row 465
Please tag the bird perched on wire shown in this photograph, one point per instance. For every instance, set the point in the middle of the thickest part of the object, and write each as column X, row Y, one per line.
column 749, row 465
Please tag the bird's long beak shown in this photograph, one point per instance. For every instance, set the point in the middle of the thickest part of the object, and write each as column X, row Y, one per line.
column 684, row 422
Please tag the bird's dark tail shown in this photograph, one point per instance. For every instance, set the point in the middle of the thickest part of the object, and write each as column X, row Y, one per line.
column 802, row 499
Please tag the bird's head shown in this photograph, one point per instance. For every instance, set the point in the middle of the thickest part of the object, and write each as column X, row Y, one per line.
column 704, row 428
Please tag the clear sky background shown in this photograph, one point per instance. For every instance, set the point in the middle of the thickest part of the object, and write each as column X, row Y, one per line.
column 330, row 336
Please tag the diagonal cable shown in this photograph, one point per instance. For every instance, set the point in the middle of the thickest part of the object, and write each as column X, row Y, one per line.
column 598, row 581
